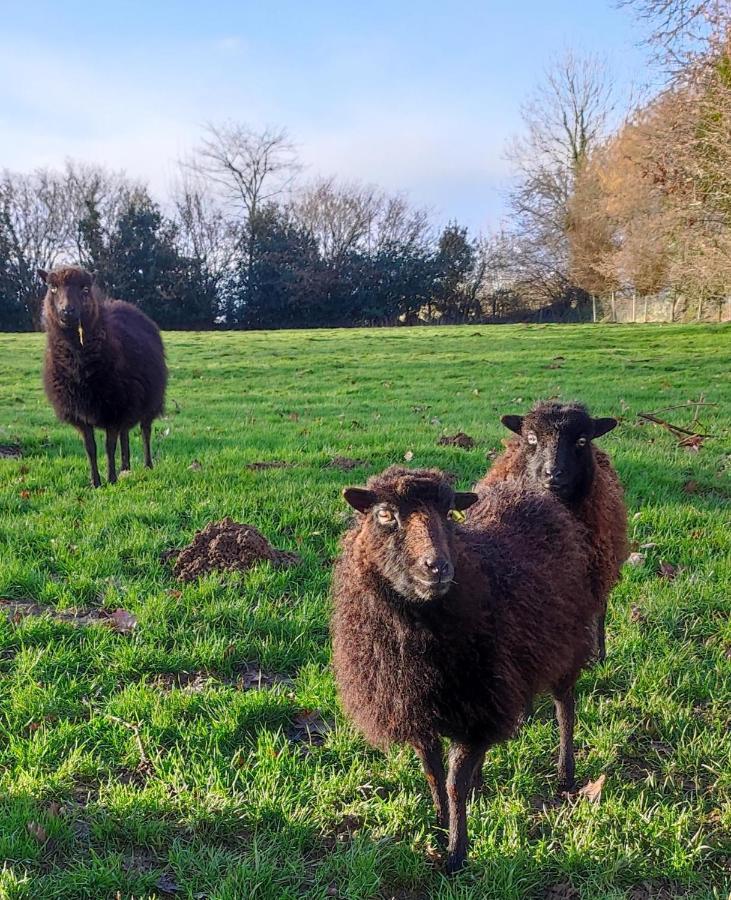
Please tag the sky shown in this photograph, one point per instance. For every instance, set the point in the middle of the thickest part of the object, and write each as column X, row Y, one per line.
column 418, row 97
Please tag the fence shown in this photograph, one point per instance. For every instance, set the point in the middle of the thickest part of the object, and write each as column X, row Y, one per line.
column 632, row 308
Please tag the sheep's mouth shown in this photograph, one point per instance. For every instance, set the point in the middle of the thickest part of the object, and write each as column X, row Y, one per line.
column 432, row 589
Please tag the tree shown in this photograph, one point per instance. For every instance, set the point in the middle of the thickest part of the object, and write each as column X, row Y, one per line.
column 567, row 116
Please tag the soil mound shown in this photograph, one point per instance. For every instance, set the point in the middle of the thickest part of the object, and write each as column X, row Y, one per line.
column 227, row 546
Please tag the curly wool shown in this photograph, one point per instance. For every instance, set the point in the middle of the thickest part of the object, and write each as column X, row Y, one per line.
column 514, row 623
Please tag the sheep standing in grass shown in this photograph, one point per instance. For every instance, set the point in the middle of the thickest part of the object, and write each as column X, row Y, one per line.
column 104, row 366
column 553, row 451
column 442, row 630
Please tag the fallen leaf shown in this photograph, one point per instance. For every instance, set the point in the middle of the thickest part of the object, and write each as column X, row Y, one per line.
column 122, row 621
column 636, row 559
column 409, row 455
column 24, row 495
column 593, row 790
column 647, row 546
column 667, row 570
column 690, row 487
column 457, row 440
column 308, row 727
column 195, row 465
column 636, row 615
column 294, row 417
column 36, row 830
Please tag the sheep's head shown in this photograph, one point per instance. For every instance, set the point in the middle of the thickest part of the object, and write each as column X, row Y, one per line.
column 556, row 442
column 407, row 527
column 69, row 300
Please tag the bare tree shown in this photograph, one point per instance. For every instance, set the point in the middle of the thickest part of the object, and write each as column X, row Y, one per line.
column 566, row 117
column 249, row 167
column 682, row 31
column 345, row 216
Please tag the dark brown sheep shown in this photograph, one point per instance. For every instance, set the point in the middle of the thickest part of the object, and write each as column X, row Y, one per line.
column 553, row 451
column 104, row 366
column 442, row 630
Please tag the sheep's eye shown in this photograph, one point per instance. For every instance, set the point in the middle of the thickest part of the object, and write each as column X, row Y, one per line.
column 581, row 442
column 385, row 516
column 456, row 515
column 532, row 438
column 85, row 289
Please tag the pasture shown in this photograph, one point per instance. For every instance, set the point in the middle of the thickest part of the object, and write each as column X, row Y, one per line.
column 201, row 754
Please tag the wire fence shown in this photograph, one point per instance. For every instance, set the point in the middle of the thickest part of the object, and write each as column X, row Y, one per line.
column 636, row 309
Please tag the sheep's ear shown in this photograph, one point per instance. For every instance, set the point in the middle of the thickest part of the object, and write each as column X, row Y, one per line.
column 602, row 426
column 464, row 499
column 360, row 498
column 514, row 423
column 43, row 275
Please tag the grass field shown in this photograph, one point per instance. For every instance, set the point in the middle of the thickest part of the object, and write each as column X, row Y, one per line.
column 150, row 764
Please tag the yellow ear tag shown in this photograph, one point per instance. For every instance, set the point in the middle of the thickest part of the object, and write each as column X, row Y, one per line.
column 456, row 515
column 81, row 335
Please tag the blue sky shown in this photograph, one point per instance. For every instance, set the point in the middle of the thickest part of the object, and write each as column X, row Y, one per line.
column 413, row 96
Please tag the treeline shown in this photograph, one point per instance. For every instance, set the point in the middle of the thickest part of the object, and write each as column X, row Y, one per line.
column 240, row 245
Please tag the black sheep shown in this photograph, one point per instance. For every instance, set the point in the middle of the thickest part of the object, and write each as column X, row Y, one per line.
column 104, row 366
column 441, row 630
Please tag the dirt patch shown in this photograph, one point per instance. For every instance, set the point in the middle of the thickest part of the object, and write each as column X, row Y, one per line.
column 657, row 890
column 118, row 620
column 247, row 678
column 457, row 440
column 227, row 546
column 345, row 463
column 268, row 464
column 10, row 451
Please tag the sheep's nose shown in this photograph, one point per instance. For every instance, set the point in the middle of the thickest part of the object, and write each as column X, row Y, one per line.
column 438, row 566
column 553, row 473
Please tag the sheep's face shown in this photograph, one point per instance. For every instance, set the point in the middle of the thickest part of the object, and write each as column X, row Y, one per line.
column 68, row 297
column 408, row 533
column 556, row 442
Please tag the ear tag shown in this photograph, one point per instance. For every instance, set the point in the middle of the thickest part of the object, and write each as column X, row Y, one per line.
column 456, row 515
column 81, row 335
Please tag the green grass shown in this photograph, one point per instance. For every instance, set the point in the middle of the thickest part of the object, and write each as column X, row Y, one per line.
column 227, row 805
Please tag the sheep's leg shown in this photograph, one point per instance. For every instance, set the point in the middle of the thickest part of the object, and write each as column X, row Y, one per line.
column 124, row 445
column 565, row 716
column 463, row 760
column 87, row 432
column 601, row 638
column 111, row 445
column 432, row 759
column 146, row 432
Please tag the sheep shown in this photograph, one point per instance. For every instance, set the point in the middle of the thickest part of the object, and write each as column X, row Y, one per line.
column 553, row 451
column 448, row 630
column 104, row 365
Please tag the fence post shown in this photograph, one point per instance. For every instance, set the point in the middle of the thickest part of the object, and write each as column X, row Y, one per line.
column 614, row 310
column 645, row 309
column 593, row 308
column 700, row 308
column 634, row 307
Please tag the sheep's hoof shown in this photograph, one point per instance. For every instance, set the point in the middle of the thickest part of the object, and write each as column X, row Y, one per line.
column 455, row 862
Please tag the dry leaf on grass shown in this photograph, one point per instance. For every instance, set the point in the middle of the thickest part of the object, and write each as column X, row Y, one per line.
column 667, row 570
column 457, row 440
column 636, row 615
column 37, row 831
column 690, row 487
column 195, row 465
column 122, row 621
column 409, row 455
column 308, row 727
column 593, row 790
column 636, row 559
